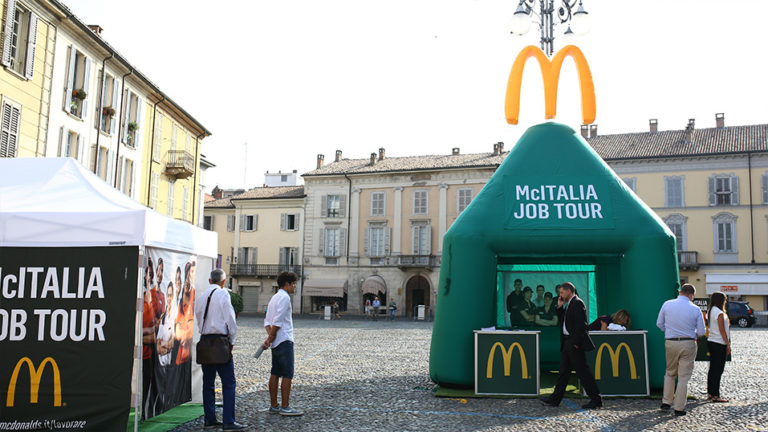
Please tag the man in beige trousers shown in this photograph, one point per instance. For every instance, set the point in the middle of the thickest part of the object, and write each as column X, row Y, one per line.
column 682, row 322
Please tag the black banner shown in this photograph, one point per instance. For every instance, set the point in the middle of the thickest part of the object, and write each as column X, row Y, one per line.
column 67, row 319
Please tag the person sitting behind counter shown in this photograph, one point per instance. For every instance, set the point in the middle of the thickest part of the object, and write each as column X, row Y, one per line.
column 547, row 314
column 619, row 321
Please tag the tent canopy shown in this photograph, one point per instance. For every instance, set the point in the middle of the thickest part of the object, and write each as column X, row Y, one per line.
column 373, row 285
column 56, row 202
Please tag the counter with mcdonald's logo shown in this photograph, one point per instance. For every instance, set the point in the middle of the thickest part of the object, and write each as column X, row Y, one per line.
column 507, row 362
column 620, row 362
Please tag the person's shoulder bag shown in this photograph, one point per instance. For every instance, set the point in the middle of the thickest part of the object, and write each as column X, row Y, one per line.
column 212, row 350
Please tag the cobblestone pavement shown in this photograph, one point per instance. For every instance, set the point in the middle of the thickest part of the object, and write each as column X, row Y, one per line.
column 355, row 375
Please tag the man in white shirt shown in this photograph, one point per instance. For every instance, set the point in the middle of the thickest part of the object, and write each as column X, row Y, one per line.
column 216, row 317
column 682, row 322
column 279, row 326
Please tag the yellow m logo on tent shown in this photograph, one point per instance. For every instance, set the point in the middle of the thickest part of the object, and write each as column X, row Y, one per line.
column 550, row 73
column 507, row 357
column 615, row 360
column 35, row 374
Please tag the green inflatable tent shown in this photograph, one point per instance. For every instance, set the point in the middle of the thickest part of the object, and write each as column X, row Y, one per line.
column 556, row 210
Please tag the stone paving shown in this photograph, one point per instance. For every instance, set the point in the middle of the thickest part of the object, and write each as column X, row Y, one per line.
column 356, row 375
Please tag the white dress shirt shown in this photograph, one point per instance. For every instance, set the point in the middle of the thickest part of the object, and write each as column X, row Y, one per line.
column 280, row 314
column 221, row 314
column 680, row 318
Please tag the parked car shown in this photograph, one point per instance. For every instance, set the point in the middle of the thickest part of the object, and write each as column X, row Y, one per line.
column 741, row 314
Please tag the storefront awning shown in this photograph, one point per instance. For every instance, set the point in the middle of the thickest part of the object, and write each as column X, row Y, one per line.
column 324, row 288
column 373, row 285
column 737, row 283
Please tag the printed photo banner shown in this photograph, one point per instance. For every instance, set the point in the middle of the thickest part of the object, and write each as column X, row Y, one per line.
column 67, row 337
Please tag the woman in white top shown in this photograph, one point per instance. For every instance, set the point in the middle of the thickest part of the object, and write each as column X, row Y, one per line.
column 719, row 342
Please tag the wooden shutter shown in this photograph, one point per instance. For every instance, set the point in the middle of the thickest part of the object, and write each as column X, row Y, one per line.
column 9, row 132
column 342, row 241
column 712, row 197
column 29, row 64
column 734, row 190
column 415, row 240
column 241, row 256
column 387, row 239
column 367, row 241
column 342, row 205
column 324, row 206
column 70, row 78
column 63, row 154
column 242, row 223
column 765, row 188
column 86, row 84
column 427, row 239
column 230, row 222
column 10, row 13
column 113, row 120
column 296, row 221
column 321, row 242
column 80, row 148
column 255, row 222
column 282, row 221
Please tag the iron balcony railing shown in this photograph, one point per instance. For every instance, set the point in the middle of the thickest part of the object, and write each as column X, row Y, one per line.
column 181, row 164
column 262, row 270
column 688, row 260
column 410, row 261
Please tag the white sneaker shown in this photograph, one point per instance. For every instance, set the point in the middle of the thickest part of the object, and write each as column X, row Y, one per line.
column 288, row 411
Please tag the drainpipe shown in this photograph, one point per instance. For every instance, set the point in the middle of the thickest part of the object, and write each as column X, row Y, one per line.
column 119, row 123
column 349, row 213
column 152, row 151
column 751, row 215
column 194, row 183
column 101, row 108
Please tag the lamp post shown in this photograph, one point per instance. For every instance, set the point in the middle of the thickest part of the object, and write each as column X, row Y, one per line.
column 569, row 11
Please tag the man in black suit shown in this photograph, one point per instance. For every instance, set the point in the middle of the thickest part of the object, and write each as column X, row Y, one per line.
column 515, row 303
column 574, row 342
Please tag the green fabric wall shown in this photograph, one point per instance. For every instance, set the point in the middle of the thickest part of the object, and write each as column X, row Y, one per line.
column 633, row 252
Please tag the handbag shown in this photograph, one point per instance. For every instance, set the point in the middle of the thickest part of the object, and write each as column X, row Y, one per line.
column 212, row 350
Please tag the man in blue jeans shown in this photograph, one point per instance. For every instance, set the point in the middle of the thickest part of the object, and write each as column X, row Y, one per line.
column 279, row 326
column 215, row 317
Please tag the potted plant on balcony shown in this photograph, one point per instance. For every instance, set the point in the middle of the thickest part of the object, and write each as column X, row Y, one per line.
column 133, row 126
column 78, row 95
column 108, row 111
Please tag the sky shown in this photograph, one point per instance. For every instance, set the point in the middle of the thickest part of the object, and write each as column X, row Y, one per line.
column 278, row 82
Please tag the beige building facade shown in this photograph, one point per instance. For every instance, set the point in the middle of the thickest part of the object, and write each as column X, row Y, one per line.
column 260, row 232
column 710, row 186
column 374, row 226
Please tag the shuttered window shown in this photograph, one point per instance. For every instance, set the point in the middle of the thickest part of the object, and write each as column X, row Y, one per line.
column 171, row 196
column 376, row 241
column 20, row 39
column 377, row 203
column 158, row 138
column 723, row 190
column 230, row 222
column 674, row 191
column 420, row 202
column 131, row 119
column 78, row 80
column 9, row 129
column 463, row 198
column 154, row 190
column 421, row 239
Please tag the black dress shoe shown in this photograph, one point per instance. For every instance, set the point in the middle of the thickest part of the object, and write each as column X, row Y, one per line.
column 665, row 407
column 679, row 413
column 233, row 426
column 212, row 424
column 549, row 402
column 593, row 404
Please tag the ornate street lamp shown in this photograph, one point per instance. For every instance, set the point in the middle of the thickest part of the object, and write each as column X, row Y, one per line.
column 567, row 12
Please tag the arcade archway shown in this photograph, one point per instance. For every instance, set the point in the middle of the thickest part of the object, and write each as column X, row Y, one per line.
column 416, row 293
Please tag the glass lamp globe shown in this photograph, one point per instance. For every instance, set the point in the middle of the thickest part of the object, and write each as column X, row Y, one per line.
column 521, row 21
column 580, row 21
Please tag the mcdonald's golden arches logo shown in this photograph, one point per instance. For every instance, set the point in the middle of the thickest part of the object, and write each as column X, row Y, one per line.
column 615, row 360
column 550, row 73
column 35, row 374
column 507, row 357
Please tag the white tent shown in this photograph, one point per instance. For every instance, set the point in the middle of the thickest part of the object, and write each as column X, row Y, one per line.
column 58, row 203
column 50, row 202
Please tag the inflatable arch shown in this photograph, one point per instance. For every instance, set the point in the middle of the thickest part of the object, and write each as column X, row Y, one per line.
column 556, row 208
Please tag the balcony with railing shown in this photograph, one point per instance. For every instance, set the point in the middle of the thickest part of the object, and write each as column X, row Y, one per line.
column 427, row 262
column 180, row 164
column 688, row 260
column 262, row 270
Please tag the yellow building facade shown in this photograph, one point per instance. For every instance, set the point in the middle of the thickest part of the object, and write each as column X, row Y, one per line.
column 710, row 186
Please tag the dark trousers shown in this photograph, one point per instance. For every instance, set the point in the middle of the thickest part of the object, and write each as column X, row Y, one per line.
column 717, row 354
column 226, row 372
column 576, row 360
column 148, row 380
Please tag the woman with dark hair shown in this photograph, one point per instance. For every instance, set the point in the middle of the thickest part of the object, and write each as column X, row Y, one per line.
column 620, row 320
column 528, row 308
column 719, row 342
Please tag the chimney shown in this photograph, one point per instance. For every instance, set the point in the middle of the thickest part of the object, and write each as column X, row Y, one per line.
column 689, row 130
column 593, row 130
column 294, row 171
column 501, row 147
column 654, row 125
column 216, row 192
column 320, row 159
column 382, row 153
column 338, row 156
column 720, row 120
column 495, row 149
column 585, row 131
column 373, row 159
column 96, row 29
column 455, row 151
